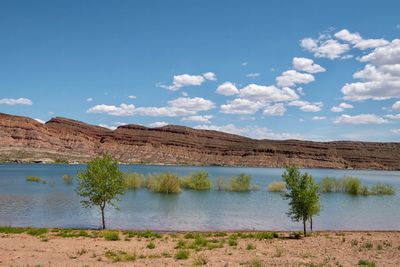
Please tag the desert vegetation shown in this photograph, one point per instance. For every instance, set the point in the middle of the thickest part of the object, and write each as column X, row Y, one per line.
column 352, row 185
column 35, row 179
column 276, row 187
column 197, row 181
column 167, row 183
column 134, row 180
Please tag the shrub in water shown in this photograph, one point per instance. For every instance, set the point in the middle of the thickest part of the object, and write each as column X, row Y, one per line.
column 167, row 183
column 221, row 184
column 352, row 185
column 67, row 179
column 241, row 183
column 382, row 189
column 133, row 180
column 197, row 181
column 327, row 185
column 276, row 187
column 35, row 179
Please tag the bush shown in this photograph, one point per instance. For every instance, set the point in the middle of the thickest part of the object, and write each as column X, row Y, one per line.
column 111, row 235
column 382, row 189
column 68, row 179
column 167, row 183
column 118, row 256
column 151, row 245
column 327, row 185
column 197, row 181
column 366, row 263
column 133, row 180
column 241, row 183
column 182, row 255
column 276, row 187
column 201, row 260
column 352, row 185
column 34, row 179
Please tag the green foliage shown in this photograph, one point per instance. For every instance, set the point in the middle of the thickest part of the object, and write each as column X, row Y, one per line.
column 240, row 183
column 34, row 179
column 101, row 183
column 182, row 255
column 255, row 263
column 120, row 256
column 151, row 245
column 382, row 189
column 276, row 187
column 197, row 181
column 133, row 180
column 12, row 230
column 366, row 263
column 110, row 235
column 221, row 184
column 353, row 186
column 327, row 185
column 200, row 260
column 303, row 196
column 167, row 183
column 37, row 231
column 251, row 246
column 68, row 179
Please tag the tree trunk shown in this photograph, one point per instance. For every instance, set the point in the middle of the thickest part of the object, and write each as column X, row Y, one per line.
column 103, row 223
column 304, row 227
column 311, row 224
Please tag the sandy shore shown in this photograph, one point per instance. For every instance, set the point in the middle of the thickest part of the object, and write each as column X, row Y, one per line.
column 54, row 248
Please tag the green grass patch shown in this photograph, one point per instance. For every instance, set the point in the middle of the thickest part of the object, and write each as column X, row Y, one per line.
column 110, row 235
column 12, row 230
column 35, row 179
column 37, row 231
column 276, row 187
column 182, row 255
column 200, row 260
column 197, row 181
column 250, row 246
column 366, row 263
column 151, row 245
column 120, row 256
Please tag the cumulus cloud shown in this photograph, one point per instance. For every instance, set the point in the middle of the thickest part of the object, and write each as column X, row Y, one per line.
column 358, row 42
column 323, row 48
column 183, row 80
column 13, row 101
column 318, row 118
column 360, row 119
column 255, row 92
column 380, row 78
column 240, row 106
column 274, row 110
column 227, row 88
column 393, row 116
column 182, row 106
column 341, row 107
column 158, row 124
column 253, row 75
column 306, row 65
column 250, row 131
column 307, row 106
column 198, row 118
column 396, row 105
column 292, row 77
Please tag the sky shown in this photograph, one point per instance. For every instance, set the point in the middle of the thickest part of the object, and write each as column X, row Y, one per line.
column 312, row 70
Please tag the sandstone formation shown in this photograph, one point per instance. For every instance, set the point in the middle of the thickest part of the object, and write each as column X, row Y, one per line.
column 25, row 140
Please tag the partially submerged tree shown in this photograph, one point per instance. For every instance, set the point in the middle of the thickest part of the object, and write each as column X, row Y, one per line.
column 303, row 196
column 100, row 184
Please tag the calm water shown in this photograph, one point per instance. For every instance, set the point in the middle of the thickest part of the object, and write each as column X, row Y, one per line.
column 56, row 205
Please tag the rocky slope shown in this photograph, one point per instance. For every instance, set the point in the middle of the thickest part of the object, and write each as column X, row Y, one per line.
column 24, row 139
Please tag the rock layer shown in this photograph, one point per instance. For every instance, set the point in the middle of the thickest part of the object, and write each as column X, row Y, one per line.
column 25, row 140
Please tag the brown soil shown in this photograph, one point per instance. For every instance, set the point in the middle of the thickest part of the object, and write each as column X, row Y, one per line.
column 321, row 249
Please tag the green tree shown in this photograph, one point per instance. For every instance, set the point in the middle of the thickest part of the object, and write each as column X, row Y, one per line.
column 100, row 184
column 303, row 196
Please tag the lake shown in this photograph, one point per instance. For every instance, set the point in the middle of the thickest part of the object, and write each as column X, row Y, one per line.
column 56, row 204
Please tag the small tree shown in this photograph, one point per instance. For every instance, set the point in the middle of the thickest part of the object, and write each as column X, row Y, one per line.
column 100, row 184
column 303, row 196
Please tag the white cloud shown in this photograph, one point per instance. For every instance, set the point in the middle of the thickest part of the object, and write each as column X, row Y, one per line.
column 240, row 106
column 307, row 106
column 163, row 111
column 396, row 105
column 227, row 88
column 322, row 48
column 198, row 118
column 292, row 77
column 274, row 110
column 122, row 110
column 341, row 107
column 158, row 124
column 250, row 131
column 13, row 101
column 132, row 97
column 318, row 118
column 360, row 119
column 244, row 63
column 210, row 76
column 108, row 126
column 255, row 93
column 380, row 78
column 393, row 116
column 253, row 75
column 40, row 121
column 192, row 104
column 89, row 99
column 306, row 65
column 395, row 131
column 358, row 42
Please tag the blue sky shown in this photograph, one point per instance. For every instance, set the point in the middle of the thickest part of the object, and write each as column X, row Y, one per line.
column 265, row 69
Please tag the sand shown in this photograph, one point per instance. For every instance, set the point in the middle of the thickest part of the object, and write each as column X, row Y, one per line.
column 321, row 249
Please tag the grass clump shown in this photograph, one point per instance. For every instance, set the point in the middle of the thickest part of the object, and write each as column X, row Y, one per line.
column 133, row 180
column 182, row 255
column 151, row 245
column 110, row 235
column 35, row 179
column 327, row 185
column 255, row 263
column 68, row 179
column 251, row 246
column 37, row 231
column 11, row 230
column 276, row 187
column 120, row 256
column 197, row 181
column 167, row 183
column 382, row 189
column 240, row 183
column 200, row 260
column 366, row 263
